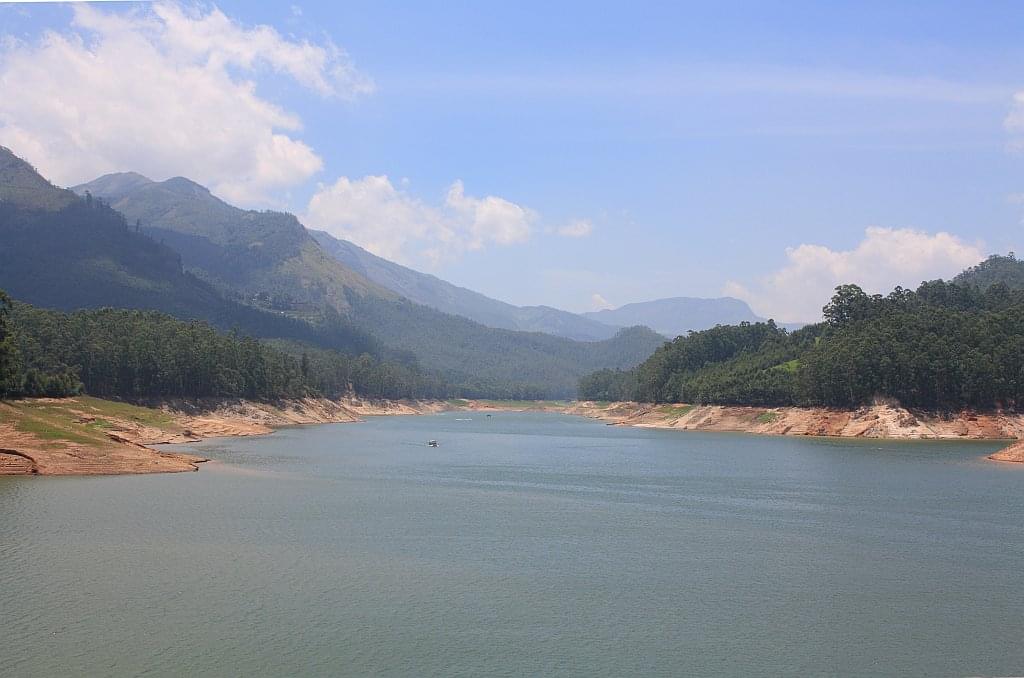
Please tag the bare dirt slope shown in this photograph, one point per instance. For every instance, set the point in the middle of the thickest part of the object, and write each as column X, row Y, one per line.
column 82, row 436
column 882, row 420
column 85, row 436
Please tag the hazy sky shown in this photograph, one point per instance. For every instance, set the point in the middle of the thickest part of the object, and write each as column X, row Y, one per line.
column 571, row 154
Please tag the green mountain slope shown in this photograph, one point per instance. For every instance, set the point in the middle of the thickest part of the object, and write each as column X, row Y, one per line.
column 486, row 362
column 1007, row 270
column 431, row 291
column 945, row 346
column 266, row 258
column 269, row 259
column 21, row 186
column 85, row 255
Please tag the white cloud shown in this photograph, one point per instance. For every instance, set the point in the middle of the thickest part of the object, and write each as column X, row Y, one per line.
column 392, row 223
column 598, row 303
column 885, row 258
column 1014, row 122
column 577, row 228
column 165, row 91
column 489, row 218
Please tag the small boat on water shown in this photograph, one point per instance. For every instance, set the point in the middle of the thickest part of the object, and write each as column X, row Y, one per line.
column 431, row 443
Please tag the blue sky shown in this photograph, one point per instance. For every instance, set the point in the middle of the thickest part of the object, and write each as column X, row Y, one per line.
column 763, row 150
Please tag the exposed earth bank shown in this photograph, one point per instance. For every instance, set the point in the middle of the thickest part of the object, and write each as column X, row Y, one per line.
column 89, row 436
column 882, row 420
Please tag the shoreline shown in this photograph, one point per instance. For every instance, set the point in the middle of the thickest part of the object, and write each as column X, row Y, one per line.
column 881, row 421
column 90, row 436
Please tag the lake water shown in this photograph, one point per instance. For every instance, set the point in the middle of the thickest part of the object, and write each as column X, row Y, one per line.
column 526, row 544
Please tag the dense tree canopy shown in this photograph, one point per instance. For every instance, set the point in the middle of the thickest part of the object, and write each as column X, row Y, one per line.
column 943, row 346
column 998, row 268
column 142, row 354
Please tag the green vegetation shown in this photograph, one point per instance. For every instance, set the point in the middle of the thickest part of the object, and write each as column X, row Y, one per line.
column 264, row 258
column 85, row 255
column 767, row 417
column 186, row 253
column 52, row 423
column 10, row 377
column 483, row 362
column 524, row 404
column 1007, row 270
column 146, row 354
column 144, row 416
column 943, row 346
column 21, row 185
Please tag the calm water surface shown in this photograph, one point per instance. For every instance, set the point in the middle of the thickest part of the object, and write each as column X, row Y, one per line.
column 526, row 544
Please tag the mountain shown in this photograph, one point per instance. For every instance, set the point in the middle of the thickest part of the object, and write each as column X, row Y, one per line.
column 488, row 362
column 22, row 186
column 66, row 252
column 944, row 347
column 996, row 269
column 678, row 315
column 431, row 291
column 266, row 258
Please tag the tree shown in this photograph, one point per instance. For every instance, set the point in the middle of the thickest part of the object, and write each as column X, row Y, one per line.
column 849, row 303
column 9, row 382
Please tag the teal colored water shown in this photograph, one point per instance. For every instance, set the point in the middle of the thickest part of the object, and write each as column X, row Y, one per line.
column 526, row 544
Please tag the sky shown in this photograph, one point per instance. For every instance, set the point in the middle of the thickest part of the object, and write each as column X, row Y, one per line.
column 576, row 154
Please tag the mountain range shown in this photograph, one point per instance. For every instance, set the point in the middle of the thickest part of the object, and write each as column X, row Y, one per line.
column 678, row 315
column 125, row 240
column 275, row 262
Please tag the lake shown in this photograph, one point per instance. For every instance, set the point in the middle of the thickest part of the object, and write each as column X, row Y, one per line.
column 525, row 544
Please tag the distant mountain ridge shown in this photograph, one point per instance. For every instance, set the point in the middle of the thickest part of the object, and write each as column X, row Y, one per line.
column 22, row 186
column 431, row 291
column 270, row 260
column 676, row 316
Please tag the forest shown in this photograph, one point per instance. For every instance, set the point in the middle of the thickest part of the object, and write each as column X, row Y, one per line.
column 133, row 354
column 944, row 346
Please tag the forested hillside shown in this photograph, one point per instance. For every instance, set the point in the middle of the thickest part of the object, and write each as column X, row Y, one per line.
column 943, row 346
column 431, row 291
column 272, row 261
column 485, row 362
column 266, row 258
column 996, row 269
column 146, row 354
column 64, row 252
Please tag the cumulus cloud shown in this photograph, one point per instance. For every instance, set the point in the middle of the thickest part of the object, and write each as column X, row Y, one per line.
column 886, row 257
column 394, row 224
column 599, row 303
column 166, row 91
column 1014, row 122
column 577, row 228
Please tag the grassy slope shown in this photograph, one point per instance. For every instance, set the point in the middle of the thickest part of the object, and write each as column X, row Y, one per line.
column 83, row 420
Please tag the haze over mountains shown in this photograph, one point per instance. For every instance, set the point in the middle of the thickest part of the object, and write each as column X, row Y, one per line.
column 431, row 291
column 124, row 240
column 264, row 274
column 678, row 315
column 234, row 248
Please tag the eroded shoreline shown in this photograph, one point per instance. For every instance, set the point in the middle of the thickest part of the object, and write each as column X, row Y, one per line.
column 89, row 436
column 882, row 420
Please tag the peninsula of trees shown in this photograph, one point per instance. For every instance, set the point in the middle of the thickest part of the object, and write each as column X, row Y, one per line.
column 945, row 346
